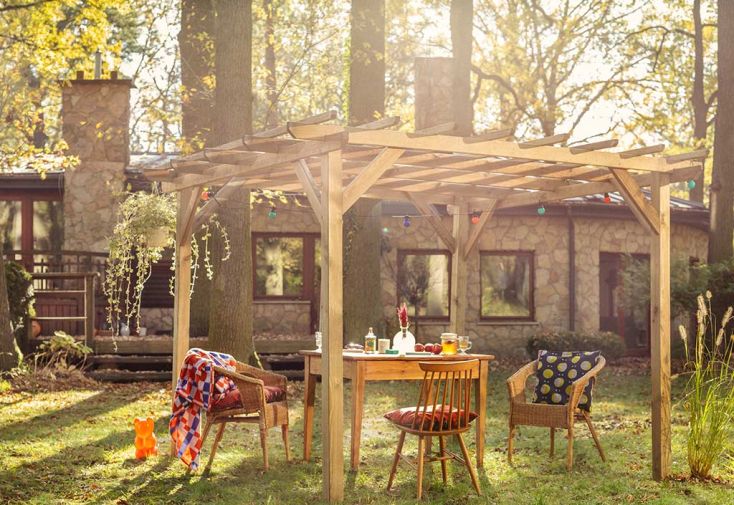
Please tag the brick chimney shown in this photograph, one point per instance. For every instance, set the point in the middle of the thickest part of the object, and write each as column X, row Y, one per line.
column 96, row 117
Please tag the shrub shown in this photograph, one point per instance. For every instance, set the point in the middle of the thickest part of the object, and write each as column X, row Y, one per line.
column 709, row 398
column 20, row 294
column 62, row 351
column 610, row 344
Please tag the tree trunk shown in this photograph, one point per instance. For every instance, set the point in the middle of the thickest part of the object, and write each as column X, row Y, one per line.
column 197, row 28
column 367, row 68
column 362, row 226
column 197, row 69
column 230, row 316
column 271, row 117
column 722, row 185
column 8, row 347
column 698, row 99
column 462, row 14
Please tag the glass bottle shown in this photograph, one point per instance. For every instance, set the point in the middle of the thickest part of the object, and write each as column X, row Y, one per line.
column 370, row 342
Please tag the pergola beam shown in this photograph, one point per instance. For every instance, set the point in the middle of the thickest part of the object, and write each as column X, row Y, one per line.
column 369, row 175
column 313, row 193
column 476, row 232
column 639, row 205
column 434, row 219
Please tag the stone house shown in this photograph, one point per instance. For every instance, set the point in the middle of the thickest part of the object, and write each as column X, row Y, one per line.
column 529, row 273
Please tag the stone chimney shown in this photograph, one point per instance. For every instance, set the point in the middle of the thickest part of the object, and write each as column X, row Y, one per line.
column 96, row 116
column 434, row 87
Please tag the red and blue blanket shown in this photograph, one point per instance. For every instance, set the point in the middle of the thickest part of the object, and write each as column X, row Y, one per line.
column 198, row 387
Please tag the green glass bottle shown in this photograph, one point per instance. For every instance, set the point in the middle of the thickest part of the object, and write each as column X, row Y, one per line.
column 370, row 343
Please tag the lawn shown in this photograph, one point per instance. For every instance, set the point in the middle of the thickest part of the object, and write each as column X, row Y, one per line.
column 76, row 446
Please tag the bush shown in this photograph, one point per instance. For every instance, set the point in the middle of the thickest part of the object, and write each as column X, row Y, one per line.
column 610, row 344
column 20, row 294
column 62, row 351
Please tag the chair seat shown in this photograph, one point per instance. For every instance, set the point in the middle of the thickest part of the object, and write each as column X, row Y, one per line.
column 430, row 419
column 233, row 400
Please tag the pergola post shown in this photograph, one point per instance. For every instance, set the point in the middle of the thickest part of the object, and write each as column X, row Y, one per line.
column 458, row 300
column 332, row 423
column 660, row 327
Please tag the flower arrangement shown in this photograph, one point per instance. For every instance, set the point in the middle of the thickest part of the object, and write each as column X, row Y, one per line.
column 145, row 229
column 403, row 316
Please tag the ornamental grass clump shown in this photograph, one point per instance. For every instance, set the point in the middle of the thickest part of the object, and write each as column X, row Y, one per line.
column 709, row 398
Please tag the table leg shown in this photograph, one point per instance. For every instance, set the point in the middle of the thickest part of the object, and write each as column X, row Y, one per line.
column 481, row 404
column 309, row 397
column 357, row 411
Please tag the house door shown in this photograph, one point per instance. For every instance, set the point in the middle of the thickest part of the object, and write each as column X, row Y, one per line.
column 634, row 328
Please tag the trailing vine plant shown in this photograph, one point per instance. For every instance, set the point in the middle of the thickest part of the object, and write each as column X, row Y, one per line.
column 146, row 227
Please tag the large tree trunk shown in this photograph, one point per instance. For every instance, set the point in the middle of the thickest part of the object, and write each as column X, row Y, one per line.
column 722, row 185
column 362, row 227
column 8, row 348
column 698, row 98
column 197, row 68
column 367, row 68
column 230, row 317
column 462, row 14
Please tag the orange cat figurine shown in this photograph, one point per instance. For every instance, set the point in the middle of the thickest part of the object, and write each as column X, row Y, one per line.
column 145, row 441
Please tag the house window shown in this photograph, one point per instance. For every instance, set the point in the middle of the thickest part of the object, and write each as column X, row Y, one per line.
column 423, row 283
column 10, row 224
column 279, row 266
column 507, row 285
column 30, row 220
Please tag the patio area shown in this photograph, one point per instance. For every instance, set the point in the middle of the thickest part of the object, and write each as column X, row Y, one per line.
column 81, row 441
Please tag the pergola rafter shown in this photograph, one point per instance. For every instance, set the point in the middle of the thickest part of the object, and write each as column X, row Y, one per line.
column 334, row 166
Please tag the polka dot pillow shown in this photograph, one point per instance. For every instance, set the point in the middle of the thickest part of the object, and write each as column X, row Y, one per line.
column 556, row 374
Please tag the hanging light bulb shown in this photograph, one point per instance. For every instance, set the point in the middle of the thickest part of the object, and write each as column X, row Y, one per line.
column 691, row 184
column 273, row 213
column 385, row 229
column 607, row 198
column 541, row 210
column 475, row 218
column 207, row 195
column 406, row 221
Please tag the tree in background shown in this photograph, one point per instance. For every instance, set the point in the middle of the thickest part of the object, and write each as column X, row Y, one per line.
column 230, row 313
column 362, row 227
column 722, row 184
column 462, row 23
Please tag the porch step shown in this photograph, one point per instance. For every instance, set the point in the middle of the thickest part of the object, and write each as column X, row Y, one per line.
column 130, row 376
column 119, row 361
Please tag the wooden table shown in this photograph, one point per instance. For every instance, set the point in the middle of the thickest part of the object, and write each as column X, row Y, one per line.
column 360, row 368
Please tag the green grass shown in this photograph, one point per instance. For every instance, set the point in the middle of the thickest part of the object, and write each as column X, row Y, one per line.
column 77, row 447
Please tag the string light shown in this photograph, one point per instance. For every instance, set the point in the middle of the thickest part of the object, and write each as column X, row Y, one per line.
column 541, row 210
column 607, row 198
column 385, row 229
column 691, row 184
column 475, row 217
column 406, row 221
column 206, row 195
column 273, row 213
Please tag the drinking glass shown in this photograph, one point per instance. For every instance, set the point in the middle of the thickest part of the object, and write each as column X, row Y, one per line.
column 464, row 344
column 318, row 340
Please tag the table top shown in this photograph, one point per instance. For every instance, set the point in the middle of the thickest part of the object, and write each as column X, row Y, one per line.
column 360, row 356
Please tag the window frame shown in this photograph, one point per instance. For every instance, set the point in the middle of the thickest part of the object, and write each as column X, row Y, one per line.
column 27, row 197
column 530, row 254
column 401, row 253
column 309, row 267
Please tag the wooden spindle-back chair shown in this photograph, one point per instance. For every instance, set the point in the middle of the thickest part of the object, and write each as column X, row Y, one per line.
column 443, row 409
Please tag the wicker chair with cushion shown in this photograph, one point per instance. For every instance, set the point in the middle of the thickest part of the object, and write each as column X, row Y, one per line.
column 442, row 410
column 561, row 411
column 261, row 398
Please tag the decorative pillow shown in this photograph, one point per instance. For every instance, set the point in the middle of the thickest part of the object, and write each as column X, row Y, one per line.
column 233, row 400
column 431, row 420
column 556, row 374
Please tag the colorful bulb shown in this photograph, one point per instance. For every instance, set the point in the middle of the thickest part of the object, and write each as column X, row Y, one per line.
column 691, row 184
column 206, row 195
column 385, row 229
column 541, row 210
column 273, row 213
column 607, row 198
column 406, row 221
column 475, row 218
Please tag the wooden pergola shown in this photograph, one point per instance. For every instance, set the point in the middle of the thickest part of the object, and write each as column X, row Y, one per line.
column 336, row 165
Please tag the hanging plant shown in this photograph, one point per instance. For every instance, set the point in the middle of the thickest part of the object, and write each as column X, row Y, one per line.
column 146, row 227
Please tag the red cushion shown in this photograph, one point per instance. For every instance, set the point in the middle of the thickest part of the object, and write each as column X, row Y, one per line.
column 431, row 420
column 233, row 400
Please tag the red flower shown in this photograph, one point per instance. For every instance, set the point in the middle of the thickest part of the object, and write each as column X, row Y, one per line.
column 403, row 315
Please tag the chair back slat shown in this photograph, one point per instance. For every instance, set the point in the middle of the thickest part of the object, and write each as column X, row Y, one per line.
column 442, row 382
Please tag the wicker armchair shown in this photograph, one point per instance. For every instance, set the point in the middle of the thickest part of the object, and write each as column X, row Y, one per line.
column 554, row 417
column 258, row 406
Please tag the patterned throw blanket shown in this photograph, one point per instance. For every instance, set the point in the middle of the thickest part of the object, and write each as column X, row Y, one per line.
column 197, row 388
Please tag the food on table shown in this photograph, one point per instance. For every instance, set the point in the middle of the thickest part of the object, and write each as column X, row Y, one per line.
column 428, row 347
column 419, row 348
column 437, row 348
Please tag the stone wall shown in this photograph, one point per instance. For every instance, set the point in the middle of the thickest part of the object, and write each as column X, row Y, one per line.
column 95, row 126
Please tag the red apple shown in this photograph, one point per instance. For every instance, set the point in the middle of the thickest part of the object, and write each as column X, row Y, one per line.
column 428, row 347
column 419, row 348
column 437, row 348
